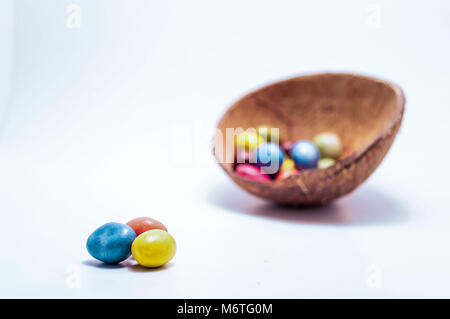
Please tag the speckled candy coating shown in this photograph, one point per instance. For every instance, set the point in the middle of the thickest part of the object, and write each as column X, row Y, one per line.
column 111, row 243
column 305, row 154
column 154, row 248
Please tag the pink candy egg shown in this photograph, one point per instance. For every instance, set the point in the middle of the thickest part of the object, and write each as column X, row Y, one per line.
column 252, row 172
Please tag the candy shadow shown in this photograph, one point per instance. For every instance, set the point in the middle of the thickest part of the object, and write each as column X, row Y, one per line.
column 365, row 206
column 138, row 268
column 102, row 265
column 129, row 263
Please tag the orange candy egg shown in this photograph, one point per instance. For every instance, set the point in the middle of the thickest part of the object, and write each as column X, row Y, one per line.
column 142, row 224
column 286, row 173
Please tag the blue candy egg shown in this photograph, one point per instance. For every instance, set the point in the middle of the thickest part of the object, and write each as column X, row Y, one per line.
column 305, row 154
column 111, row 243
column 270, row 157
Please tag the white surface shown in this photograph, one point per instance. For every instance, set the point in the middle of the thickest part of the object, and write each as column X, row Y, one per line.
column 6, row 36
column 91, row 135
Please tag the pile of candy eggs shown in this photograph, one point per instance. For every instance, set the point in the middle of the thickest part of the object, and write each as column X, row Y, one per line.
column 145, row 238
column 260, row 156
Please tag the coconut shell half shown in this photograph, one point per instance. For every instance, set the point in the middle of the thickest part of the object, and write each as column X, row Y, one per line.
column 365, row 112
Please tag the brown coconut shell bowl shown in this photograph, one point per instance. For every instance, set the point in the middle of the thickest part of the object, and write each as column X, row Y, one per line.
column 364, row 112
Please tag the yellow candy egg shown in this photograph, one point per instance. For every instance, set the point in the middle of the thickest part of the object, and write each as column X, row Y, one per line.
column 153, row 248
column 288, row 164
column 248, row 141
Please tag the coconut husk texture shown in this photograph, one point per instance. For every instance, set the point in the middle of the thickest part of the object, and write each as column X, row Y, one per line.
column 365, row 112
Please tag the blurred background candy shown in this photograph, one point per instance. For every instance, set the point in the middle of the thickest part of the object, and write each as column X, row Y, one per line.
column 252, row 172
column 111, row 243
column 329, row 145
column 288, row 164
column 305, row 154
column 262, row 155
column 286, row 146
column 270, row 157
column 248, row 141
column 286, row 173
column 325, row 162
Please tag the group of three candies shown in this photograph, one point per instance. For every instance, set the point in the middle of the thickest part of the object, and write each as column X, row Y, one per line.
column 144, row 237
column 261, row 157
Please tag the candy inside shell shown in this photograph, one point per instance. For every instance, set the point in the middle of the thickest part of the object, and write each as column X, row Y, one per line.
column 288, row 164
column 305, row 154
column 270, row 157
column 325, row 162
column 286, row 173
column 329, row 145
column 252, row 172
column 248, row 141
column 286, row 146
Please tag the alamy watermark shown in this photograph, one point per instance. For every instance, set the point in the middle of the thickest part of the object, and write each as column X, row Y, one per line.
column 73, row 19
column 373, row 18
column 373, row 276
column 193, row 144
column 73, row 276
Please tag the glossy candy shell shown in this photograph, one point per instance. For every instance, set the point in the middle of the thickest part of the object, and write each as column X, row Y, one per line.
column 153, row 248
column 305, row 154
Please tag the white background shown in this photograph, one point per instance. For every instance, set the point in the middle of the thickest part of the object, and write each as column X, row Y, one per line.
column 98, row 124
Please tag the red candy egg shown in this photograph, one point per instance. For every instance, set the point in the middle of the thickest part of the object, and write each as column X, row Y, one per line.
column 142, row 224
column 252, row 172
